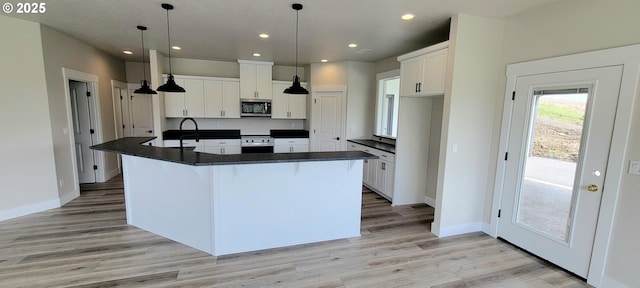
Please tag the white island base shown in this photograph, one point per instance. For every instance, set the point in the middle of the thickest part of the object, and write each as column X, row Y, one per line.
column 224, row 209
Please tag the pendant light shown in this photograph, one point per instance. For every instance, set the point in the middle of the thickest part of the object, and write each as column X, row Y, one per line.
column 296, row 88
column 171, row 85
column 144, row 85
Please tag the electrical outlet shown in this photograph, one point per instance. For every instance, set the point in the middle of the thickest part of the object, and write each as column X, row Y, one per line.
column 634, row 168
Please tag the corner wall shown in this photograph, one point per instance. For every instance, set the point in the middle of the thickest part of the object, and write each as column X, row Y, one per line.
column 27, row 169
column 467, row 124
column 61, row 50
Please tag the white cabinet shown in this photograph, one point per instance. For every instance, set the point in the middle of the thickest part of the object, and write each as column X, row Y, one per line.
column 221, row 99
column 423, row 72
column 187, row 104
column 290, row 145
column 255, row 79
column 222, row 146
column 288, row 106
column 378, row 174
column 205, row 97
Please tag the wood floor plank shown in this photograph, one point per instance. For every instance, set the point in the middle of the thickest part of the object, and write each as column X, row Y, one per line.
column 87, row 243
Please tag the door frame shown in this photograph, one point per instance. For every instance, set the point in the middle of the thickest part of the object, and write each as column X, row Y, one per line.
column 629, row 58
column 315, row 89
column 117, row 111
column 92, row 86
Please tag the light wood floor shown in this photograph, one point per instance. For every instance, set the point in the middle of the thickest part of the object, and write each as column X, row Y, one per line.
column 87, row 243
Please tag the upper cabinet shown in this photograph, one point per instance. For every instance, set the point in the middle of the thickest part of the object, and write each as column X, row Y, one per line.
column 255, row 79
column 187, row 104
column 221, row 98
column 423, row 72
column 288, row 106
column 205, row 97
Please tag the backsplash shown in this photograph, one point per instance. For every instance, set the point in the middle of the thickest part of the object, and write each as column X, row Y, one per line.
column 247, row 126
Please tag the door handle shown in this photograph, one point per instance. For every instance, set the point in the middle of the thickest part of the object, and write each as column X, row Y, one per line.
column 149, row 131
column 592, row 188
column 337, row 138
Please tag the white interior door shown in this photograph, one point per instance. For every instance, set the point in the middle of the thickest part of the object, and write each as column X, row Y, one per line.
column 558, row 148
column 328, row 123
column 141, row 115
column 83, row 131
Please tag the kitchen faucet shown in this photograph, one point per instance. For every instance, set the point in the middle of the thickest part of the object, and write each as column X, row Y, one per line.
column 197, row 131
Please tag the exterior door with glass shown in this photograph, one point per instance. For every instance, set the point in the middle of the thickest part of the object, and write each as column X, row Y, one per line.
column 558, row 148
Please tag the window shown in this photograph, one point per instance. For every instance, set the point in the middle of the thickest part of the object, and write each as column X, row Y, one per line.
column 387, row 103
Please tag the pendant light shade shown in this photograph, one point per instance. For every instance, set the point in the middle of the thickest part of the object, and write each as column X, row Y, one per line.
column 296, row 88
column 171, row 85
column 144, row 85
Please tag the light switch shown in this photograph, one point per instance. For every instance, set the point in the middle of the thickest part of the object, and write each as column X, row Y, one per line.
column 634, row 168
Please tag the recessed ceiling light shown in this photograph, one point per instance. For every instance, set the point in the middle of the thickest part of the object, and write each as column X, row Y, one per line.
column 324, row 60
column 407, row 16
column 256, row 55
column 353, row 45
column 176, row 47
column 264, row 36
column 127, row 52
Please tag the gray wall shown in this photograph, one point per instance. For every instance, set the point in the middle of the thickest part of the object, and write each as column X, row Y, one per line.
column 27, row 169
column 61, row 50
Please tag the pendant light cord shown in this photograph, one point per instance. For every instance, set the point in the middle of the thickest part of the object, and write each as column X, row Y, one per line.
column 169, row 38
column 297, row 11
column 144, row 69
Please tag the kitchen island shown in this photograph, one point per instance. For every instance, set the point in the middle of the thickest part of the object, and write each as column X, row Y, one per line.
column 224, row 204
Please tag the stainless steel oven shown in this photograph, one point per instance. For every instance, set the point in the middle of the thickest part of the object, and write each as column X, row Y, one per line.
column 255, row 107
column 256, row 144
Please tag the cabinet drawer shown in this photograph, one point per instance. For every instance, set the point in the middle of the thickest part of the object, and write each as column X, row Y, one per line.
column 221, row 142
column 291, row 141
column 185, row 143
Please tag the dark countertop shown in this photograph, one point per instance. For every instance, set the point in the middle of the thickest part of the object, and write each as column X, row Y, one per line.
column 204, row 134
column 375, row 144
column 279, row 133
column 132, row 146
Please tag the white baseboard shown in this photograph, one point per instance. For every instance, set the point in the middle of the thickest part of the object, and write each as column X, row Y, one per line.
column 610, row 283
column 29, row 209
column 430, row 201
column 486, row 228
column 66, row 198
column 460, row 229
column 111, row 174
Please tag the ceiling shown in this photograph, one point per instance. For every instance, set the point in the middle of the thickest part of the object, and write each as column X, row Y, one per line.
column 227, row 30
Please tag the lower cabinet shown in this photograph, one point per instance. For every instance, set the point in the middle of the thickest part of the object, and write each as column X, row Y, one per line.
column 222, row 146
column 290, row 145
column 377, row 174
column 213, row 146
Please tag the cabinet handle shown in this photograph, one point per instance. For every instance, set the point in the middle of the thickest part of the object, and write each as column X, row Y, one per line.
column 255, row 94
column 224, row 151
column 385, row 156
column 416, row 87
column 291, row 149
column 384, row 166
column 419, row 86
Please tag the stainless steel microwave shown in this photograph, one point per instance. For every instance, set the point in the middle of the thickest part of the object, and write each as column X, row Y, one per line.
column 255, row 107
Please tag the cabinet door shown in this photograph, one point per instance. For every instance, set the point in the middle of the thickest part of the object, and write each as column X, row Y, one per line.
column 410, row 75
column 194, row 97
column 232, row 150
column 388, row 182
column 434, row 69
column 298, row 106
column 213, row 99
column 300, row 148
column 281, row 149
column 231, row 99
column 174, row 105
column 280, row 102
column 247, row 81
column 263, row 81
column 381, row 167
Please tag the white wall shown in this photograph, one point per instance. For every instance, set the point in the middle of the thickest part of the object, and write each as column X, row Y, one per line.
column 569, row 27
column 134, row 72
column 360, row 79
column 61, row 50
column 467, row 123
column 27, row 168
